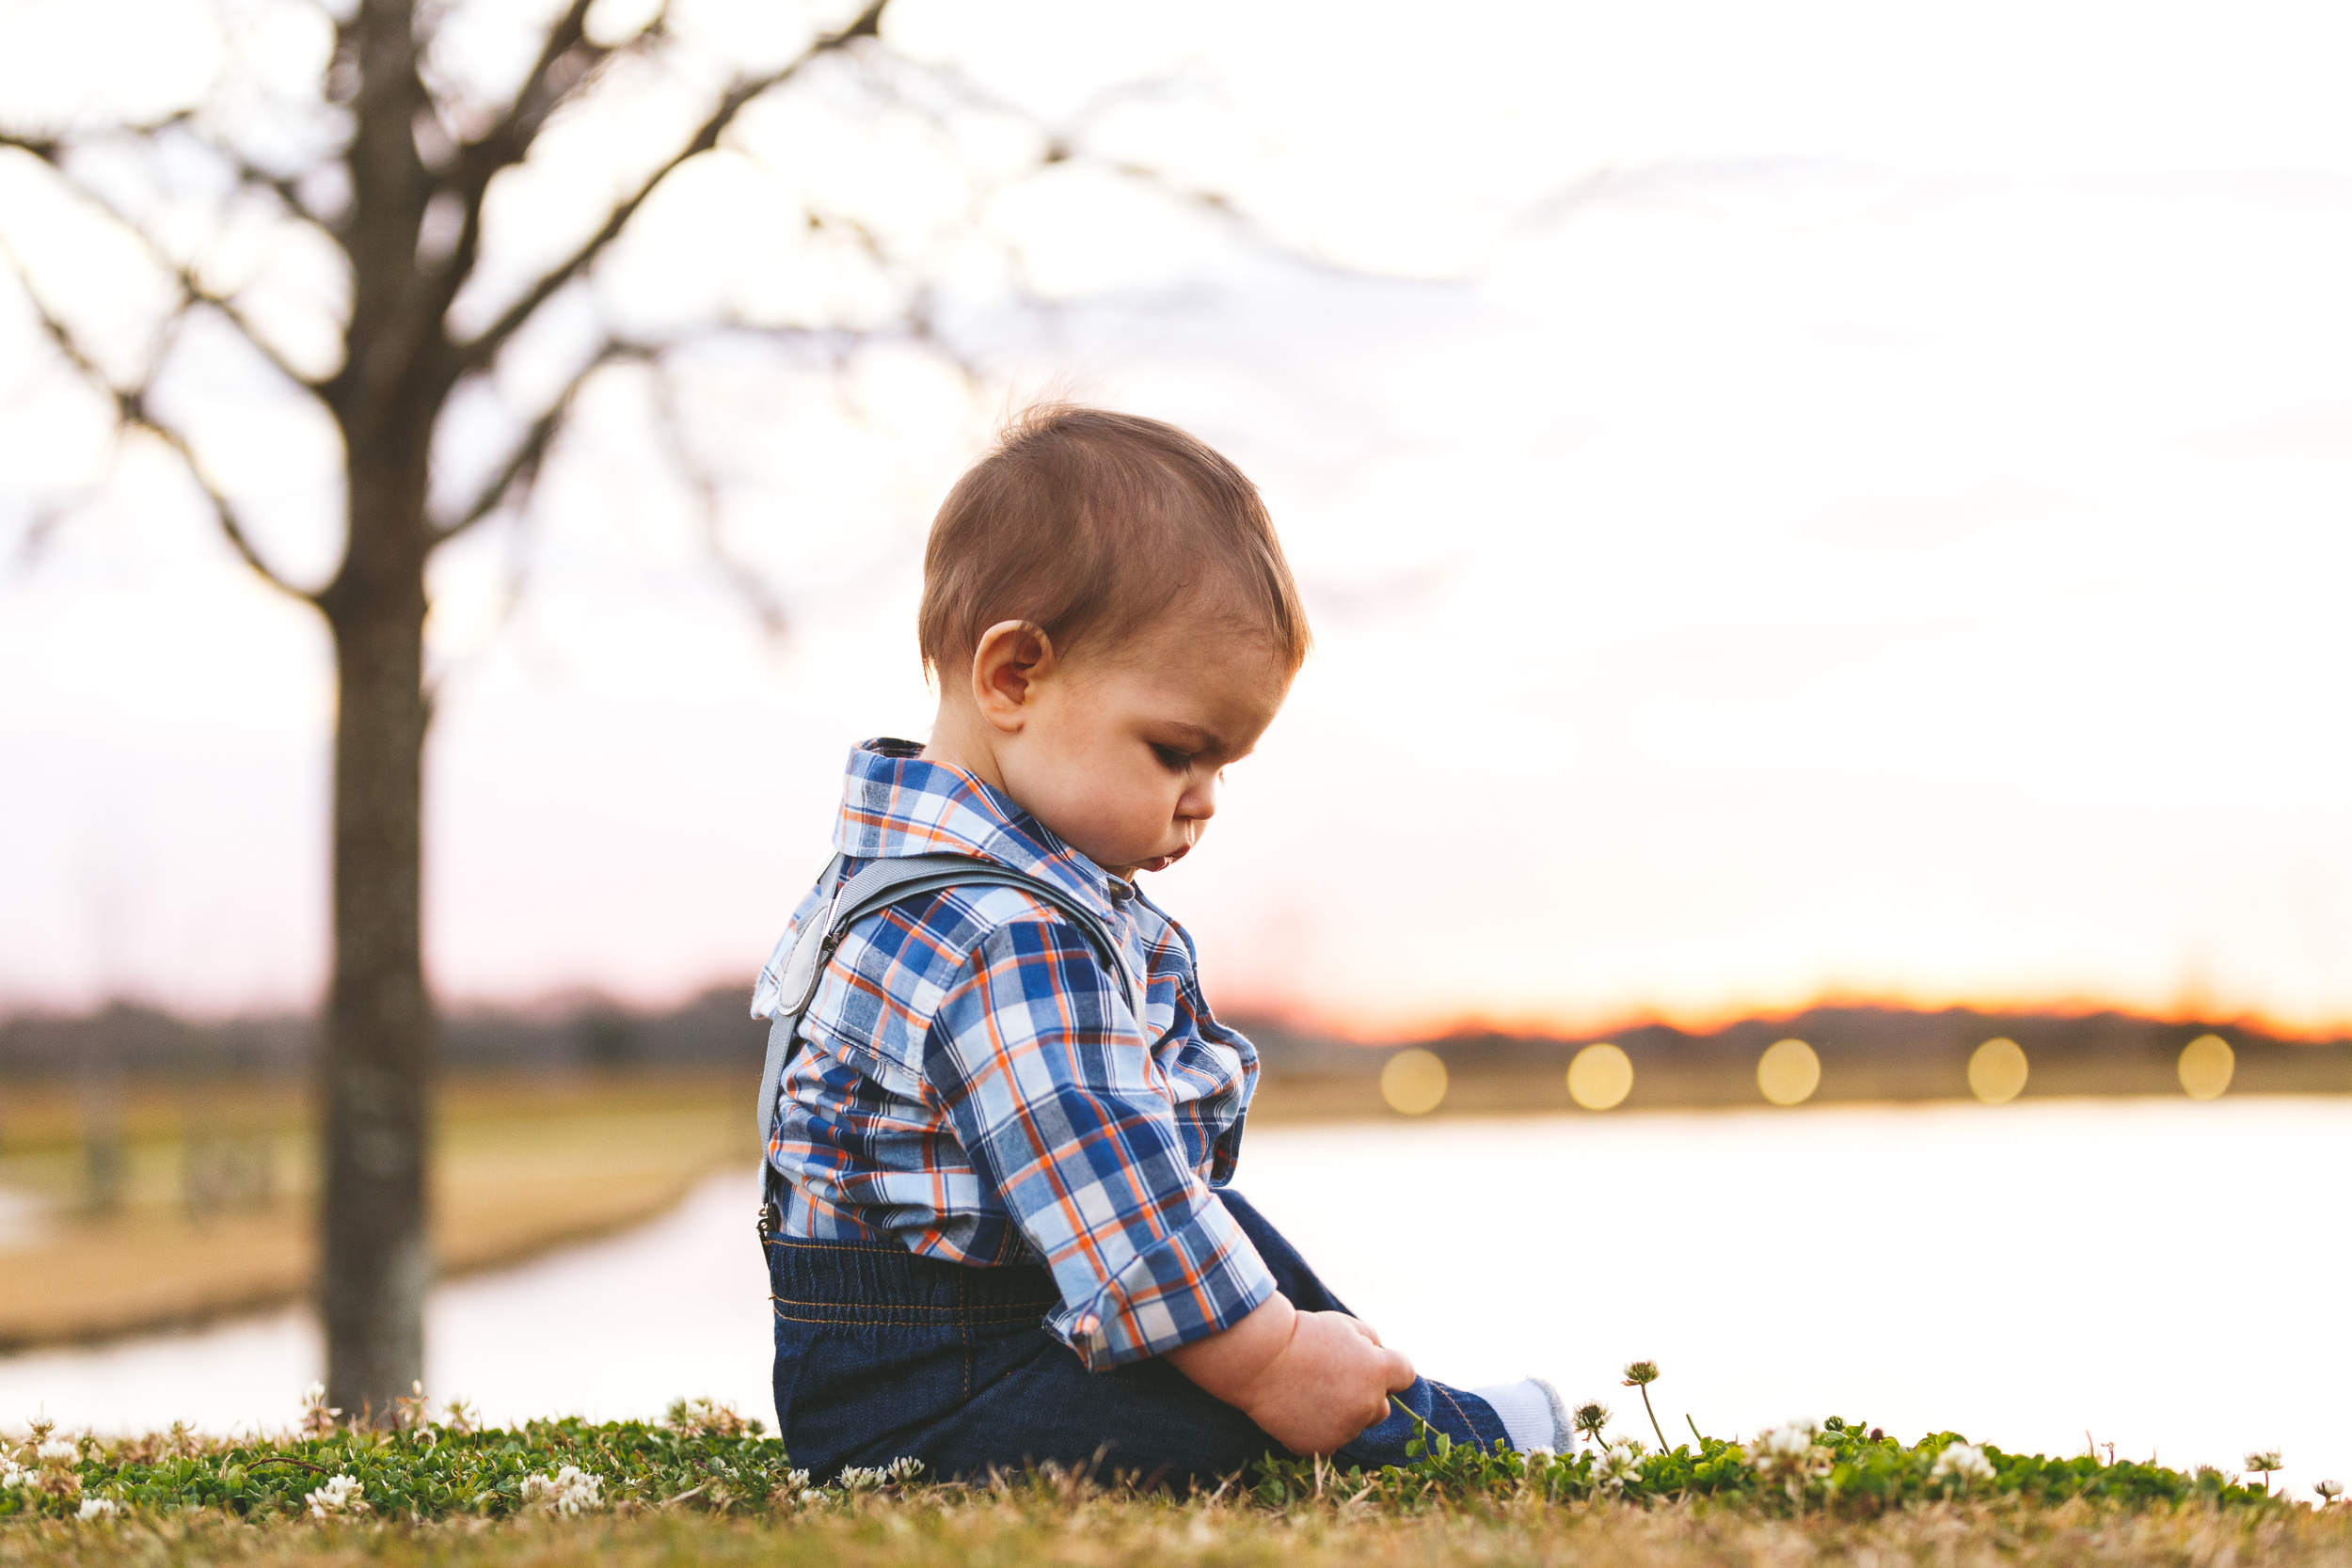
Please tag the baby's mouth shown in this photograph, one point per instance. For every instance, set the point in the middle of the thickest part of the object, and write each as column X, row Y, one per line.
column 1164, row 861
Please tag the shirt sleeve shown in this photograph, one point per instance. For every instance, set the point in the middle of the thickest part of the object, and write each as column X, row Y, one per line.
column 1052, row 1088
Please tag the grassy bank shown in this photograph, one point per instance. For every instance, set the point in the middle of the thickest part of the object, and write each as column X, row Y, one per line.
column 993, row 1531
column 706, row 1487
column 522, row 1164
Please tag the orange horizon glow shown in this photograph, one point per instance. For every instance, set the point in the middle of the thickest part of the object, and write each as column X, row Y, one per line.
column 1405, row 1027
column 1357, row 1030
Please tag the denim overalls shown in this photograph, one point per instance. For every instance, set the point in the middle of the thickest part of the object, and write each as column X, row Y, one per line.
column 880, row 1355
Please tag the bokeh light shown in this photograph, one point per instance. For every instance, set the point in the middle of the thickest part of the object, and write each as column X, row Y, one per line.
column 1600, row 1077
column 2207, row 1063
column 1996, row 1072
column 1413, row 1083
column 1789, row 1072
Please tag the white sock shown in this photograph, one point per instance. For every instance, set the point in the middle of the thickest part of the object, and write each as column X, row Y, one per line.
column 1532, row 1416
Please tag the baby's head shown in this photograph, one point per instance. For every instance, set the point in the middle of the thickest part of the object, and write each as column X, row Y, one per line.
column 1111, row 622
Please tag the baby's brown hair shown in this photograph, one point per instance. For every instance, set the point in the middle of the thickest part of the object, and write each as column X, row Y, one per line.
column 1091, row 524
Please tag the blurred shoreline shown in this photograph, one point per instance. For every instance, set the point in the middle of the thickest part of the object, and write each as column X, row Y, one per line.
column 158, row 1174
column 1868, row 1052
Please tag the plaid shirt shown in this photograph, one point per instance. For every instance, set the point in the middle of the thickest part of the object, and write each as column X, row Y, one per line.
column 972, row 1084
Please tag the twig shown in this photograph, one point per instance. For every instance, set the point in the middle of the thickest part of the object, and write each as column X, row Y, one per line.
column 478, row 350
column 130, row 410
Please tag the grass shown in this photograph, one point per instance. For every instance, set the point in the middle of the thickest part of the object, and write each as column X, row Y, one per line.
column 1005, row 1529
column 522, row 1164
column 706, row 1486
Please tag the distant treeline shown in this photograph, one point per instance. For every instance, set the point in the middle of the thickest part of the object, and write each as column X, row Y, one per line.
column 714, row 1030
column 1866, row 1052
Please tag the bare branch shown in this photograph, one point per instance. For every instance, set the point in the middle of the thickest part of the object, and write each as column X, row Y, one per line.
column 223, row 512
column 553, row 76
column 191, row 291
column 50, row 150
column 517, row 477
column 566, row 61
column 132, row 412
column 478, row 351
column 748, row 584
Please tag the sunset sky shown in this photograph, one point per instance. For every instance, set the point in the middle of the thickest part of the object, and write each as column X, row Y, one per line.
column 1847, row 500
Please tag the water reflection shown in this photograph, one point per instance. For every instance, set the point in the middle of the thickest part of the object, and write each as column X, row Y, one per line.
column 2133, row 1270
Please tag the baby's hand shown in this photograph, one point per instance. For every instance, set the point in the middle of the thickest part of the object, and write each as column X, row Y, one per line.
column 1313, row 1380
column 1331, row 1380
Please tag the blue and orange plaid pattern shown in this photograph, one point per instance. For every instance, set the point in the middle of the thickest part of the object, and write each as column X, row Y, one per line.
column 972, row 1084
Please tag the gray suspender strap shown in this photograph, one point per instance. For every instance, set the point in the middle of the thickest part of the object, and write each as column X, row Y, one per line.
column 799, row 985
column 879, row 886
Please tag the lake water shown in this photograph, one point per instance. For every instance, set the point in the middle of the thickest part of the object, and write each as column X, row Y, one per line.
column 2168, row 1277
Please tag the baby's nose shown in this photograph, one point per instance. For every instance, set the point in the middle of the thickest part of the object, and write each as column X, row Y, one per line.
column 1200, row 802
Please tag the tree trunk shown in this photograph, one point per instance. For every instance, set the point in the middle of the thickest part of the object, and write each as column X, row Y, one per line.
column 376, row 1071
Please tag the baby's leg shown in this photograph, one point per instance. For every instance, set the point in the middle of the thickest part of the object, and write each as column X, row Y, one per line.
column 881, row 1355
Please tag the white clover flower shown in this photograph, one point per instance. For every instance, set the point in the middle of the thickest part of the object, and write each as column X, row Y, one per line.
column 318, row 1416
column 1539, row 1456
column 2328, row 1490
column 571, row 1490
column 1618, row 1467
column 2264, row 1461
column 1787, row 1452
column 341, row 1494
column 853, row 1479
column 13, row 1474
column 99, row 1508
column 1963, row 1463
column 58, row 1450
column 904, row 1469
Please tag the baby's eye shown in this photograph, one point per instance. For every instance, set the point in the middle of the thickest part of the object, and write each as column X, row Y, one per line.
column 1172, row 759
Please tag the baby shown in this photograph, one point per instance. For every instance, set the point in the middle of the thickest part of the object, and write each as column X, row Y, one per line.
column 1000, row 1117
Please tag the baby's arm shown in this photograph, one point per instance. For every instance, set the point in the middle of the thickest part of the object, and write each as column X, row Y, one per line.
column 1053, row 1097
column 1313, row 1380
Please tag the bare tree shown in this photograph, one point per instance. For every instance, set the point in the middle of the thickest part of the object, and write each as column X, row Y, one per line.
column 385, row 161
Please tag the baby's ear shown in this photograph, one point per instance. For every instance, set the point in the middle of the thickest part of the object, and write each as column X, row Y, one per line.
column 1012, row 658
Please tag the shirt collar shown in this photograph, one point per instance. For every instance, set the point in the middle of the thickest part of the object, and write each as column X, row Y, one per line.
column 896, row 802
